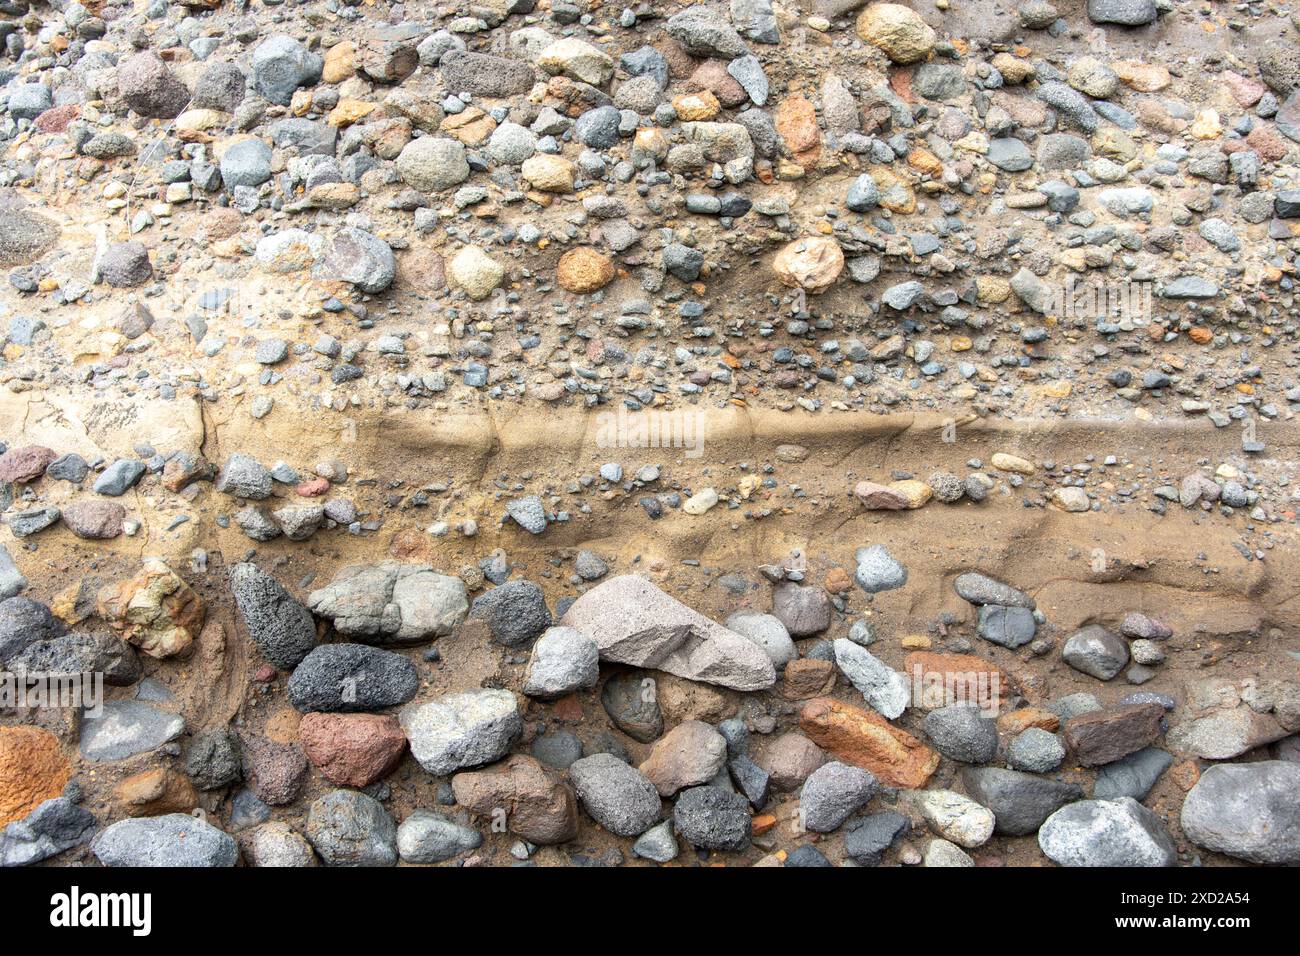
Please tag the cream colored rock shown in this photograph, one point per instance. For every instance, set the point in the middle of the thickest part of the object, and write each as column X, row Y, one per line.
column 550, row 174
column 897, row 30
column 578, row 60
column 475, row 273
column 1004, row 462
column 812, row 263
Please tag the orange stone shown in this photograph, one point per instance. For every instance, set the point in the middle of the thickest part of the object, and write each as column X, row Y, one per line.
column 838, row 581
column 762, row 823
column 1021, row 720
column 1200, row 335
column 796, row 122
column 865, row 739
column 32, row 770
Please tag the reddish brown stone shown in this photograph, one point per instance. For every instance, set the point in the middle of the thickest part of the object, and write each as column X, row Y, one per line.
column 796, row 122
column 26, row 463
column 537, row 805
column 1265, row 140
column 1104, row 736
column 352, row 750
column 712, row 75
column 274, row 770
column 32, row 770
column 57, row 118
column 865, row 739
column 807, row 677
column 95, row 520
column 876, row 497
column 313, row 487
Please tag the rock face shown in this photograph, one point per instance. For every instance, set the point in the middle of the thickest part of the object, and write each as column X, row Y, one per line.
column 32, row 770
column 155, row 610
column 392, row 603
column 176, row 839
column 1106, row 833
column 618, row 797
column 281, row 628
column 352, row 750
column 351, row 677
column 867, row 740
column 1248, row 810
column 538, row 806
column 462, row 730
column 633, row 622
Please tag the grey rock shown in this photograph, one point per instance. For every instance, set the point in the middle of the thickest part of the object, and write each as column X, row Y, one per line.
column 280, row 65
column 515, row 612
column 878, row 570
column 351, row 677
column 1095, row 651
column 713, row 818
column 213, row 760
column 12, row 581
column 1248, row 811
column 392, row 603
column 960, row 732
column 1020, row 801
column 1106, row 833
column 1132, row 776
column 246, row 163
column 282, row 628
column 484, row 74
column 658, row 843
column 528, row 512
column 1035, row 750
column 1008, row 626
column 351, row 829
column 704, row 32
column 617, row 796
column 634, row 622
column 632, row 703
column 23, row 622
column 456, row 731
column 126, row 728
column 125, row 265
column 833, row 793
column 244, row 477
column 173, row 840
column 767, row 631
column 1129, row 13
column 54, row 826
column 563, row 660
column 149, row 87
column 361, row 258
column 75, row 654
column 885, row 689
column 867, row 839
column 428, row 837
